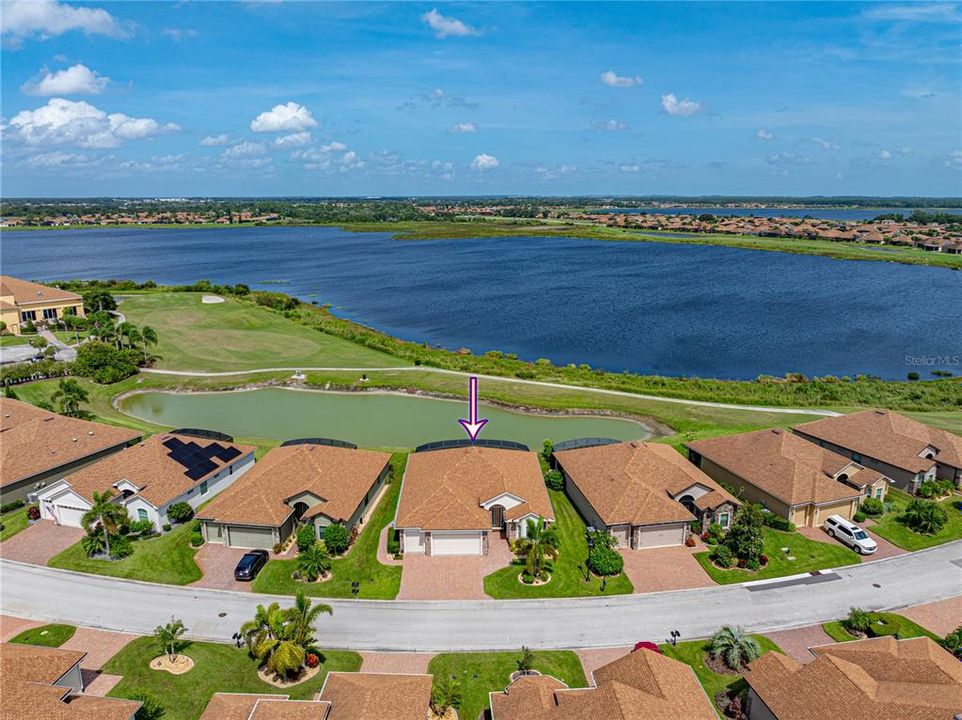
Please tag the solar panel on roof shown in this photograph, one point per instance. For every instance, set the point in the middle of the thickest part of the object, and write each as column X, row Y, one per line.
column 173, row 443
column 198, row 471
column 228, row 453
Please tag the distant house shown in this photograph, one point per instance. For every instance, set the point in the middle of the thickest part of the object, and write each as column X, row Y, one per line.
column 38, row 447
column 452, row 499
column 301, row 482
column 149, row 477
column 46, row 683
column 878, row 679
column 22, row 301
column 642, row 685
column 645, row 494
column 788, row 475
column 903, row 449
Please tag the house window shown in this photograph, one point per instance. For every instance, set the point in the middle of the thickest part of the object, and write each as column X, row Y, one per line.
column 26, row 315
column 868, row 491
column 878, row 493
column 142, row 514
column 50, row 313
column 723, row 520
column 203, row 488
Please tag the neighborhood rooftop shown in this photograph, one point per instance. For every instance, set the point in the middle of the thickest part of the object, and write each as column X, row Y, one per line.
column 24, row 292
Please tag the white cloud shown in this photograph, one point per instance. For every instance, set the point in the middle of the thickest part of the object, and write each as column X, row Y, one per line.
column 177, row 34
column 462, row 128
column 629, row 168
column 48, row 18
column 446, row 26
column 612, row 79
column 79, row 123
column 904, row 150
column 157, row 163
column 57, row 159
column 245, row 149
column 784, row 158
column 764, row 135
column 289, row 117
column 608, row 126
column 333, row 146
column 682, row 108
column 293, row 140
column 484, row 162
column 212, row 140
column 350, row 161
column 954, row 160
column 436, row 98
column 883, row 154
column 826, row 144
column 920, row 12
column 75, row 80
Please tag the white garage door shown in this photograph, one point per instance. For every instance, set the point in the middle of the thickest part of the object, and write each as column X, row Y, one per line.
column 661, row 535
column 70, row 516
column 456, row 543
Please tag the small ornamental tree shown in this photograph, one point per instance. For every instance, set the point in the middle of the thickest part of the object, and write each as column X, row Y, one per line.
column 526, row 661
column 604, row 560
column 180, row 512
column 168, row 637
column 953, row 642
column 554, row 480
column 306, row 537
column 745, row 537
column 336, row 538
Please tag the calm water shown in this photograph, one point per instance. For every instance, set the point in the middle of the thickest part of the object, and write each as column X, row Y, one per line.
column 367, row 419
column 648, row 307
column 819, row 213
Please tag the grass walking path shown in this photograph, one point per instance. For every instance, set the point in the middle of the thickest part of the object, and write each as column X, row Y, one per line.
column 567, row 578
column 892, row 527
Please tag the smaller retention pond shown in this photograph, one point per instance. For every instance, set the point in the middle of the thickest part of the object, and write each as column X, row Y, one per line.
column 367, row 419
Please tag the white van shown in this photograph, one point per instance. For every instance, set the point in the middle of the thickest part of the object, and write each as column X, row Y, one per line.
column 850, row 534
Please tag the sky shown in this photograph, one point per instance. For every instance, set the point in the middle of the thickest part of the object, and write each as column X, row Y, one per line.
column 179, row 99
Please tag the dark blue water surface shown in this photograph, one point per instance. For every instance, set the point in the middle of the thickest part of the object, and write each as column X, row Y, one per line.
column 815, row 212
column 647, row 307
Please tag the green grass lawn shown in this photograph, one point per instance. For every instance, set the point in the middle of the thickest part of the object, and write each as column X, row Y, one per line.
column 53, row 635
column 378, row 582
column 891, row 527
column 12, row 522
column 236, row 335
column 217, row 668
column 13, row 340
column 482, row 673
column 168, row 558
column 809, row 555
column 692, row 653
column 566, row 579
column 888, row 624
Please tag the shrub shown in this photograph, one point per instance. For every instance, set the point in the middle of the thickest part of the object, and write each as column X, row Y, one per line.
column 722, row 556
column 313, row 561
column 859, row 516
column 306, row 536
column 120, row 546
column 913, row 375
column 928, row 489
column 33, row 513
column 690, row 541
column 393, row 542
column 196, row 539
column 104, row 363
column 92, row 544
column 141, row 527
column 777, row 522
column 123, row 529
column 150, row 707
column 953, row 642
column 715, row 534
column 745, row 538
column 734, row 647
column 925, row 516
column 180, row 512
column 312, row 660
column 554, row 480
column 872, row 506
column 605, row 561
column 11, row 506
column 336, row 538
column 857, row 621
column 278, row 548
column 166, row 527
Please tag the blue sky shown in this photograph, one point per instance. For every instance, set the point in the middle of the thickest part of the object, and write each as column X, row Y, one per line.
column 301, row 98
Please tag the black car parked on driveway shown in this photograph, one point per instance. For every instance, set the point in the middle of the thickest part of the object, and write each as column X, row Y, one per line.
column 250, row 565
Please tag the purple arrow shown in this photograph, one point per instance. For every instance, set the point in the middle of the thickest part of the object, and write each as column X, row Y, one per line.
column 472, row 426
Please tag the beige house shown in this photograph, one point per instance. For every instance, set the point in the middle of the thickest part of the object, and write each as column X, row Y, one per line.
column 903, row 449
column 644, row 494
column 38, row 447
column 299, row 482
column 452, row 499
column 643, row 685
column 46, row 683
column 787, row 475
column 878, row 679
column 22, row 301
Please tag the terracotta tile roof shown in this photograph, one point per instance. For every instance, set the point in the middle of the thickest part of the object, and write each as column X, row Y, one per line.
column 339, row 476
column 784, row 465
column 642, row 685
column 889, row 437
column 634, row 482
column 25, row 292
column 32, row 663
column 234, row 706
column 444, row 489
column 280, row 709
column 878, row 679
column 376, row 696
column 147, row 465
column 34, row 441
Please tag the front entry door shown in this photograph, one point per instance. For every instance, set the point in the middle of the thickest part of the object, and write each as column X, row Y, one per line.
column 497, row 516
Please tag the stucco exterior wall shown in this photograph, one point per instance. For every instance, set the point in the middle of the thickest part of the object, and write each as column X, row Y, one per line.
column 580, row 502
column 757, row 709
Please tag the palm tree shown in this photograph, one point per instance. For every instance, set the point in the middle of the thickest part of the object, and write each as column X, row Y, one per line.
column 733, row 646
column 280, row 650
column 302, row 618
column 257, row 630
column 68, row 396
column 314, row 561
column 540, row 545
column 125, row 331
column 105, row 513
column 148, row 336
column 168, row 636
column 445, row 695
column 925, row 516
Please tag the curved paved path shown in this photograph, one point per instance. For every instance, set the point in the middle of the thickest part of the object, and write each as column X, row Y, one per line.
column 42, row 593
column 498, row 378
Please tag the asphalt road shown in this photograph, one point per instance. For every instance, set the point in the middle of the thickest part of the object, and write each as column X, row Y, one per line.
column 46, row 594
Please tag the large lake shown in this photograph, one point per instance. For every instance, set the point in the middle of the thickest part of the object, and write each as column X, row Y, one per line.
column 648, row 307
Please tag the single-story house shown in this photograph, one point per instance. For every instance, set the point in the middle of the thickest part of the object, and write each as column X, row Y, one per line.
column 345, row 696
column 46, row 683
column 644, row 494
column 878, row 679
column 303, row 481
column 642, row 685
column 900, row 448
column 789, row 476
column 38, row 447
column 149, row 477
column 452, row 498
column 22, row 301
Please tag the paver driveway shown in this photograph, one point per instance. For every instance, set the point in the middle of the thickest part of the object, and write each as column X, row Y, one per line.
column 594, row 658
column 667, row 568
column 797, row 641
column 217, row 563
column 456, row 577
column 11, row 626
column 397, row 662
column 885, row 548
column 40, row 542
column 940, row 617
